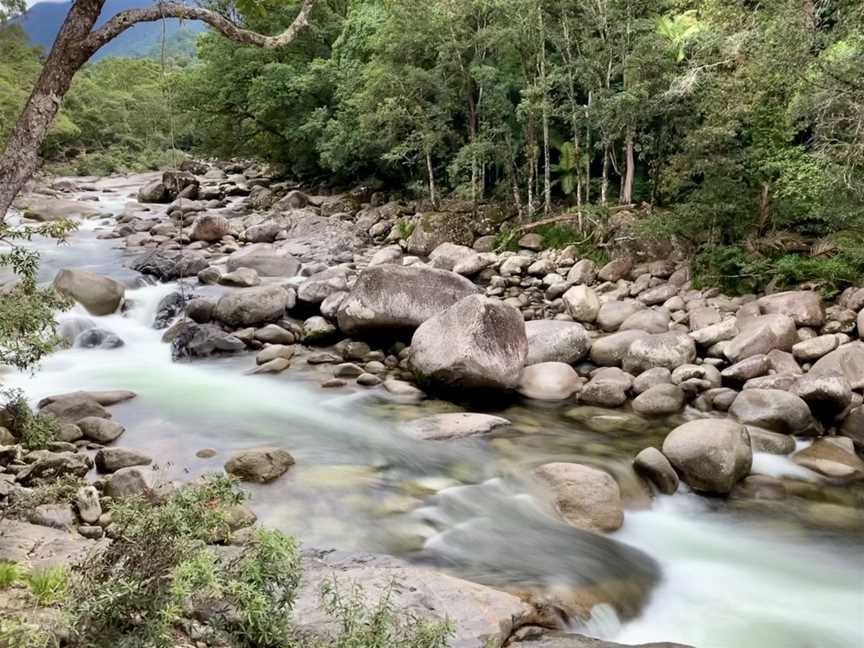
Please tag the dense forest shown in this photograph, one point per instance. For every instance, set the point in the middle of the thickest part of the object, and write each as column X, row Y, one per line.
column 733, row 129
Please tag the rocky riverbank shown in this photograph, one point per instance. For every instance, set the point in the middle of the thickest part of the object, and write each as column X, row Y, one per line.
column 362, row 293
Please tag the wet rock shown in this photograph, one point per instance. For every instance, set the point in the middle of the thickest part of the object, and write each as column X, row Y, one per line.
column 97, row 338
column 109, row 460
column 433, row 229
column 130, row 482
column 259, row 464
column 240, row 278
column 274, row 334
column 848, row 360
column 169, row 307
column 170, row 265
column 403, row 389
column 609, row 351
column 72, row 407
column 252, row 306
column 99, row 295
column 180, row 182
column 457, row 425
column 760, row 335
column 831, row 459
column 607, row 388
column 556, row 341
column 770, row 442
column 582, row 303
column 803, row 307
column 200, row 310
column 669, row 350
column 710, row 454
column 585, row 497
column 88, row 505
column 549, row 381
column 318, row 330
column 655, row 467
column 827, row 393
column 772, row 409
column 274, row 351
column 209, row 228
column 478, row 343
column 100, row 430
column 660, row 400
column 367, row 379
column 266, row 260
column 153, row 192
column 203, row 340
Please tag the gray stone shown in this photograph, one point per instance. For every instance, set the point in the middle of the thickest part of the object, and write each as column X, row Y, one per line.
column 259, row 464
column 88, row 505
column 55, row 516
column 252, row 306
column 826, row 393
column 710, row 454
column 130, row 482
column 770, row 442
column 660, row 400
column 720, row 332
column 614, row 313
column 209, row 228
column 585, row 497
column 760, row 335
column 393, row 298
column 772, row 409
column 582, row 272
column 549, row 381
column 266, row 260
column 655, row 467
column 616, row 269
column 670, row 350
column 99, row 295
column 316, row 330
column 456, row 425
column 109, row 460
column 100, row 430
column 751, row 367
column 648, row 379
column 847, row 360
column 434, row 228
column 274, row 351
column 556, row 341
column 803, row 307
column 651, row 321
column 609, row 351
column 582, row 303
column 240, row 278
column 814, row 348
column 478, row 343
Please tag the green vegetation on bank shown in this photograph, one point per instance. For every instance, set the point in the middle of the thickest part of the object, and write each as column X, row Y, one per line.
column 732, row 129
column 167, row 564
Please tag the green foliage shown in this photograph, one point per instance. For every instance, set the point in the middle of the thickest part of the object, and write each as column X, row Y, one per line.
column 10, row 573
column 34, row 431
column 61, row 490
column 49, row 585
column 380, row 626
column 17, row 632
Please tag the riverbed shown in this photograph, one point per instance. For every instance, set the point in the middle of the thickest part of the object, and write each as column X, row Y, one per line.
column 729, row 574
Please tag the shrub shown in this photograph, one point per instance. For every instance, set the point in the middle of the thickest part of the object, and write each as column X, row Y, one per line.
column 34, row 431
column 18, row 633
column 49, row 585
column 10, row 573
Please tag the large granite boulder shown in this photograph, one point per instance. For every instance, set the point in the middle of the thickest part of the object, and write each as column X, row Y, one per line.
column 99, row 295
column 478, row 343
column 711, row 455
column 585, row 497
column 252, row 306
column 265, row 259
column 556, row 341
column 772, row 409
column 397, row 298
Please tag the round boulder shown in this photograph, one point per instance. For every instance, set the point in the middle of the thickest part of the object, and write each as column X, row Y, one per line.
column 549, row 381
column 556, row 341
column 711, row 455
column 99, row 295
column 670, row 350
column 772, row 409
column 586, row 497
column 252, row 306
column 259, row 464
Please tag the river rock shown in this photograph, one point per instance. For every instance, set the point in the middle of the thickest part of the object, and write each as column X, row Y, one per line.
column 240, row 278
column 49, row 466
column 109, row 460
column 153, row 192
column 616, row 269
column 55, row 516
column 770, row 442
column 455, row 425
column 761, row 335
column 614, row 313
column 814, row 348
column 434, row 228
column 392, row 254
column 266, row 260
column 478, row 343
column 200, row 310
column 72, row 407
column 170, row 265
column 803, row 307
column 259, row 464
column 752, row 367
column 659, row 400
column 192, row 340
column 710, row 454
column 209, row 228
column 582, row 303
column 178, row 182
column 848, row 360
column 320, row 286
column 549, row 381
column 772, row 409
column 556, row 341
column 583, row 271
column 827, row 393
column 252, row 306
column 852, row 427
column 130, row 482
column 396, row 298
column 99, row 295
column 670, row 350
column 448, row 255
column 831, row 459
column 651, row 321
column 607, row 388
column 97, row 338
column 648, row 379
column 720, row 332
column 609, row 351
column 317, row 330
column 88, row 505
column 655, row 467
column 100, row 430
column 585, row 497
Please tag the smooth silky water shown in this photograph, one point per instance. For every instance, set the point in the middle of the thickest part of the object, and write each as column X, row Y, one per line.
column 723, row 576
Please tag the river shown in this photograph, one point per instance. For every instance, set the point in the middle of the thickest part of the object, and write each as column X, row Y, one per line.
column 730, row 576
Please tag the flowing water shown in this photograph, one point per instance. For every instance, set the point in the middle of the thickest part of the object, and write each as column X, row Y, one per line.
column 723, row 575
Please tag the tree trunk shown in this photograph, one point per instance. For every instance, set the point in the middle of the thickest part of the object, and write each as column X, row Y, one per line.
column 547, row 173
column 629, row 172
column 431, row 173
column 76, row 42
column 604, row 178
column 588, row 150
column 21, row 158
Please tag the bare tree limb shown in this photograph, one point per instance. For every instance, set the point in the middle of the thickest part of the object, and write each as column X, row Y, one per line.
column 126, row 19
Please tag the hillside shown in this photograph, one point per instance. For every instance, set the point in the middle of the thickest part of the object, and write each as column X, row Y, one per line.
column 43, row 20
